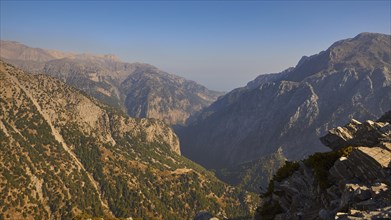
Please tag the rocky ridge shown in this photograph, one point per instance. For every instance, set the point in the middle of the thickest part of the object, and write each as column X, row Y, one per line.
column 141, row 90
column 289, row 110
column 351, row 182
column 64, row 155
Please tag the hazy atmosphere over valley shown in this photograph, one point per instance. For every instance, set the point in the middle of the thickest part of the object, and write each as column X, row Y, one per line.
column 195, row 110
column 220, row 44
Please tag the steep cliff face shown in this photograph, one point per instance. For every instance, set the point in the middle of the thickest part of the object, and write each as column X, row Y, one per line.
column 139, row 89
column 353, row 181
column 153, row 93
column 64, row 154
column 289, row 110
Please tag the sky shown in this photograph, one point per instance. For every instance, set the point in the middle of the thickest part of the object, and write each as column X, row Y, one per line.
column 220, row 44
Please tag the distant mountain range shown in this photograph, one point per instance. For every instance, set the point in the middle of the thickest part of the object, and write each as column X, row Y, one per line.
column 71, row 151
column 64, row 154
column 141, row 90
column 291, row 109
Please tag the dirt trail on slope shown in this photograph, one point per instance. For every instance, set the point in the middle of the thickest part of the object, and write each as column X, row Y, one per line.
column 59, row 138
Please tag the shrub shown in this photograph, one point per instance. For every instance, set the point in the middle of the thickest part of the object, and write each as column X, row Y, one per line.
column 322, row 162
column 284, row 172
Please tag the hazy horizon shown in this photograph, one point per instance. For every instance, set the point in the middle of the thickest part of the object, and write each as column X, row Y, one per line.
column 221, row 45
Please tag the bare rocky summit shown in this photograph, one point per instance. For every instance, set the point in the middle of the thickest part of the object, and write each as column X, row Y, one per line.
column 291, row 109
column 351, row 182
column 141, row 90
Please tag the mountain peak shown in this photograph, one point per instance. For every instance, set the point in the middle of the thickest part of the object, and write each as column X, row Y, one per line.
column 350, row 79
column 364, row 37
column 365, row 51
column 142, row 89
column 13, row 50
column 97, row 57
column 370, row 35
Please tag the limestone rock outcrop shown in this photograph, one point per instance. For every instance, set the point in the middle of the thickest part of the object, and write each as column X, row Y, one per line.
column 351, row 182
column 369, row 133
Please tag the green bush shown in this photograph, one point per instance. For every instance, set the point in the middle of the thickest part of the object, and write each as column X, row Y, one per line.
column 287, row 170
column 284, row 172
column 319, row 162
column 322, row 162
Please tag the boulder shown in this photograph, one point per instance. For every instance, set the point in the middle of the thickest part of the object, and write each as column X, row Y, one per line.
column 359, row 182
column 368, row 134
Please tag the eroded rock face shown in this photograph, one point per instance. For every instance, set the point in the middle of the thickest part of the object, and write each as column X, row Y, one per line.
column 369, row 133
column 358, row 184
column 291, row 109
column 152, row 93
column 141, row 90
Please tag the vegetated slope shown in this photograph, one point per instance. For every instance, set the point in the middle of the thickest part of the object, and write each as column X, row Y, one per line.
column 289, row 110
column 63, row 154
column 139, row 89
column 351, row 182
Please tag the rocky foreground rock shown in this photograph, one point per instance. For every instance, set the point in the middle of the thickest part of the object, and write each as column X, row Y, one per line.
column 351, row 182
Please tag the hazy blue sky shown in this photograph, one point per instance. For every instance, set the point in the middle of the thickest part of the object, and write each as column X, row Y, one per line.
column 221, row 44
